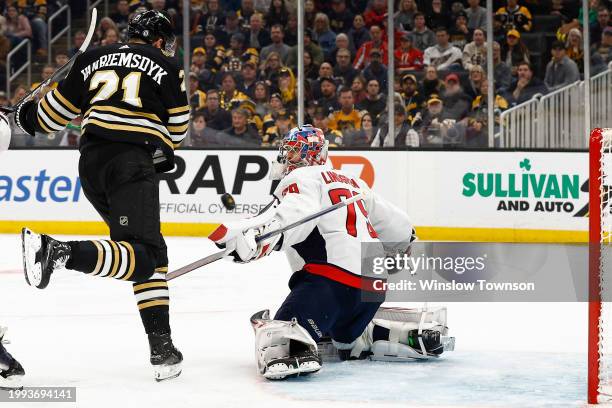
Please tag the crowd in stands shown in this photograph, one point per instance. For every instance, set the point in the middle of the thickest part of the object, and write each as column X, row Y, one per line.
column 243, row 73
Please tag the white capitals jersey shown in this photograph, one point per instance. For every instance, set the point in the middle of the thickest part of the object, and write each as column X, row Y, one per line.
column 331, row 245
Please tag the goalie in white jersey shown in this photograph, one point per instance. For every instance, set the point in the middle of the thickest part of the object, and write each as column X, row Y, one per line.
column 327, row 282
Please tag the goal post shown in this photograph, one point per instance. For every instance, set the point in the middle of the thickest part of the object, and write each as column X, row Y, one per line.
column 600, row 265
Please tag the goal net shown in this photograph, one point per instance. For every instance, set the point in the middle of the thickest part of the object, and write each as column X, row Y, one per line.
column 600, row 267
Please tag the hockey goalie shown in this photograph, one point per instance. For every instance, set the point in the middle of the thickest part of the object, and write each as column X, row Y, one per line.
column 327, row 283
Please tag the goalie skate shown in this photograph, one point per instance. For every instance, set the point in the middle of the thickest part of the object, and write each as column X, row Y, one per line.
column 283, row 349
column 41, row 256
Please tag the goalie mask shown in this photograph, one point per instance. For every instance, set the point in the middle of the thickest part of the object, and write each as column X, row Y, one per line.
column 152, row 25
column 301, row 146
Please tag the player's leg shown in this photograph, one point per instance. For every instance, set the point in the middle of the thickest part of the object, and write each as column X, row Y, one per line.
column 11, row 372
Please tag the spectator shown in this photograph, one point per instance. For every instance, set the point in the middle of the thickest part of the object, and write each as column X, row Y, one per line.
column 229, row 92
column 283, row 122
column 515, row 17
column 258, row 37
column 200, row 135
column 275, row 106
column 328, row 99
column 321, row 120
column 270, row 67
column 79, row 39
column 310, row 11
column 431, row 85
column 365, row 135
column 474, row 82
column 17, row 26
column 215, row 117
column 475, row 53
column 359, row 34
column 404, row 18
column 19, row 92
column 198, row 60
column 277, row 45
column 61, row 59
column 346, row 119
column 111, row 36
column 261, row 99
column 121, row 16
column 340, row 17
column 526, row 86
column 502, row 72
column 36, row 12
column 212, row 21
column 477, row 16
column 408, row 58
column 433, row 123
column 459, row 32
column 456, row 103
column 213, row 54
column 413, row 100
column 277, row 13
column 291, row 31
column 105, row 24
column 46, row 73
column 443, row 56
column 423, row 36
column 239, row 52
column 604, row 48
column 325, row 37
column 438, row 16
column 376, row 13
column 314, row 50
column 363, row 54
column 404, row 134
column 514, row 51
column 343, row 68
column 376, row 69
column 561, row 71
column 231, row 31
column 5, row 48
column 246, row 11
column 480, row 104
column 603, row 21
column 311, row 71
column 241, row 133
column 374, row 101
column 248, row 79
column 325, row 71
column 574, row 48
column 197, row 97
column 286, row 87
column 358, row 87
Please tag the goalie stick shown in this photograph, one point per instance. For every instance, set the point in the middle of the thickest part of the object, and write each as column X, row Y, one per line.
column 61, row 71
column 218, row 255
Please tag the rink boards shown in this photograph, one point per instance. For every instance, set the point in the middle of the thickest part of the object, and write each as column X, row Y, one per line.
column 507, row 196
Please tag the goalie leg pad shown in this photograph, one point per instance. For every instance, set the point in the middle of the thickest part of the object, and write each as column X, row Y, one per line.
column 283, row 349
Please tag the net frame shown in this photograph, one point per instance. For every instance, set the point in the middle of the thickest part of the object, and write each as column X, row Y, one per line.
column 600, row 264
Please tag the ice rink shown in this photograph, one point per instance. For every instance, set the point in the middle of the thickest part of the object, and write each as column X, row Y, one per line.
column 85, row 332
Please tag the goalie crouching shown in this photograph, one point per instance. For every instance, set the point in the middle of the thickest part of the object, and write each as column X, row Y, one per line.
column 327, row 286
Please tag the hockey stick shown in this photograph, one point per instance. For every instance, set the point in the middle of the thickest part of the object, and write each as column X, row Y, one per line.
column 61, row 71
column 218, row 255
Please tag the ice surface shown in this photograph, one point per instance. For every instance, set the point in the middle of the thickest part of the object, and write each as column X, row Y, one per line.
column 85, row 332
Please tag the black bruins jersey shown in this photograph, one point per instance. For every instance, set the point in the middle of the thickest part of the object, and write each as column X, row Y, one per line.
column 128, row 93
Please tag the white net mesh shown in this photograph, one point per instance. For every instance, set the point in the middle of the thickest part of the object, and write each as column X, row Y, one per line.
column 605, row 321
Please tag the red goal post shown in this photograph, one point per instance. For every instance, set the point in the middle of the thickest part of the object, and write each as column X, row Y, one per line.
column 600, row 264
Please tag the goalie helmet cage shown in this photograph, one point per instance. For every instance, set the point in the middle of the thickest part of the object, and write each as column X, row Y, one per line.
column 600, row 265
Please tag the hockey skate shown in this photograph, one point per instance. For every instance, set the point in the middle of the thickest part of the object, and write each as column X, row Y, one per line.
column 41, row 256
column 283, row 349
column 11, row 372
column 166, row 359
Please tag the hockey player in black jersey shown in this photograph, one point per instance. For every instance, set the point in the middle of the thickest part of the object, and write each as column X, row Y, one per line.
column 11, row 372
column 133, row 101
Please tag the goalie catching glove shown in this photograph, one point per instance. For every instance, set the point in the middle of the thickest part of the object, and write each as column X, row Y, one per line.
column 240, row 238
